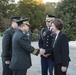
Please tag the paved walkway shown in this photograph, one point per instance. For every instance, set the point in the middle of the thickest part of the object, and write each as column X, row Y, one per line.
column 36, row 68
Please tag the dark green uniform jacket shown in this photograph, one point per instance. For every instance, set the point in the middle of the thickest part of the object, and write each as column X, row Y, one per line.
column 7, row 43
column 21, row 48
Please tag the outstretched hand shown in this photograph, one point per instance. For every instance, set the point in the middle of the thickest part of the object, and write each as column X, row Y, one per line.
column 42, row 51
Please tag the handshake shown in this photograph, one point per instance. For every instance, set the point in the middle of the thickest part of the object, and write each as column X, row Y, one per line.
column 42, row 52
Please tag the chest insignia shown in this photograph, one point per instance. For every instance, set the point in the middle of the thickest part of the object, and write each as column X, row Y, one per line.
column 44, row 33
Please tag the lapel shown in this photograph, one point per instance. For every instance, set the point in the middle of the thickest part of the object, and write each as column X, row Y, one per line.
column 46, row 29
column 58, row 38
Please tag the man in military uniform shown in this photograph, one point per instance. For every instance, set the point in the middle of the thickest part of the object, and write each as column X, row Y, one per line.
column 7, row 46
column 29, row 33
column 45, row 41
column 21, row 49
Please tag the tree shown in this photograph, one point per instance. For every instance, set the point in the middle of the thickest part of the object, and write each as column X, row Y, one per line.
column 3, row 13
column 66, row 10
column 7, row 9
column 50, row 7
column 34, row 10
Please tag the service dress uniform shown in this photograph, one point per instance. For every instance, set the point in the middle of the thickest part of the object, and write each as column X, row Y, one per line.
column 7, row 46
column 7, row 50
column 21, row 49
column 45, row 42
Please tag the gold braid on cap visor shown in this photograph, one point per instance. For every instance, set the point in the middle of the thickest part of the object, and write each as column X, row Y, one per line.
column 26, row 22
column 49, row 19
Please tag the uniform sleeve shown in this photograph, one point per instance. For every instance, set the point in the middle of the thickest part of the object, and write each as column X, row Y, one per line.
column 24, row 42
column 6, row 45
column 40, row 42
column 65, row 50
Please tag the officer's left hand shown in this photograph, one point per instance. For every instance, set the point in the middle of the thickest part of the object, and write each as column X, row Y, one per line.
column 63, row 69
column 7, row 62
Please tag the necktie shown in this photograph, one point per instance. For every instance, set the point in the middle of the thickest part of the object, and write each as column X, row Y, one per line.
column 49, row 28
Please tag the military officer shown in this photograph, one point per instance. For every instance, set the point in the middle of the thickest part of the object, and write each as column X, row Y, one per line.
column 21, row 49
column 29, row 33
column 45, row 41
column 7, row 46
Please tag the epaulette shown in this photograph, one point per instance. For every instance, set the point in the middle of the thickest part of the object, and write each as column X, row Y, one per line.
column 8, row 29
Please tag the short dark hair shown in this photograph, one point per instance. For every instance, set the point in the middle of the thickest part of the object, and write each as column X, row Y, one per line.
column 58, row 24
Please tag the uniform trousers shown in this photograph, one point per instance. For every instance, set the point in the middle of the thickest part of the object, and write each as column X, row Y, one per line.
column 47, row 64
column 6, row 69
column 19, row 72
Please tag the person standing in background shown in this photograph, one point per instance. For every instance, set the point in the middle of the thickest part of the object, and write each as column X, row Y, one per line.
column 45, row 42
column 7, row 46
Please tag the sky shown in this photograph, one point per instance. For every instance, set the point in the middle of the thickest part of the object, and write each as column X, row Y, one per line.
column 45, row 1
